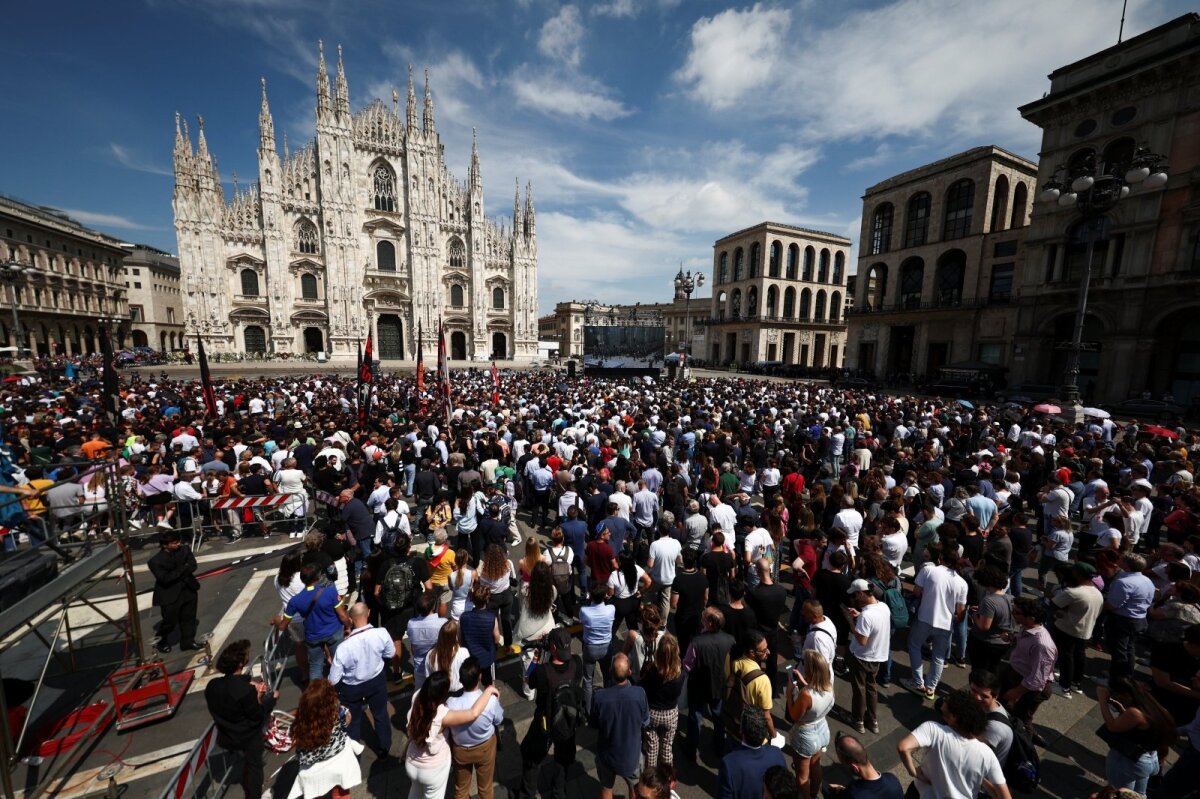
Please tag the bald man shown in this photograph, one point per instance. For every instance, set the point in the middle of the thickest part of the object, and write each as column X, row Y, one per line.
column 358, row 672
column 619, row 712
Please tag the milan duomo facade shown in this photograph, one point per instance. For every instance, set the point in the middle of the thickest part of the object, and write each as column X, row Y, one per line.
column 362, row 230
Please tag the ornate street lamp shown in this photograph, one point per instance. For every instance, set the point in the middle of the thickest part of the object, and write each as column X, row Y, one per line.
column 14, row 273
column 687, row 283
column 1093, row 188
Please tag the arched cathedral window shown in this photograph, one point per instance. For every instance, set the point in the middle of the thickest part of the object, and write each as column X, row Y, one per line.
column 385, row 189
column 458, row 255
column 306, row 237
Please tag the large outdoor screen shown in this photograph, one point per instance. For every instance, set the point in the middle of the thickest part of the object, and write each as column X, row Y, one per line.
column 622, row 347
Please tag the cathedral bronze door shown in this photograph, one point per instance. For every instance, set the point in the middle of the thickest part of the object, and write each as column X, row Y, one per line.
column 458, row 346
column 391, row 338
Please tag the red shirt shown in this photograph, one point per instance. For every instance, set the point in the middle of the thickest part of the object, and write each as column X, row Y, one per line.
column 793, row 486
column 808, row 554
column 599, row 557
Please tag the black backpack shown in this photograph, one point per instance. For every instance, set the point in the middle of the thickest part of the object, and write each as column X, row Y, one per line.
column 400, row 586
column 566, row 703
column 387, row 541
column 1022, row 768
column 735, row 701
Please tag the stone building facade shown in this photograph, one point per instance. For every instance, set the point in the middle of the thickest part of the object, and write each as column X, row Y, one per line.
column 778, row 295
column 155, row 299
column 940, row 254
column 1142, row 329
column 76, row 281
column 361, row 230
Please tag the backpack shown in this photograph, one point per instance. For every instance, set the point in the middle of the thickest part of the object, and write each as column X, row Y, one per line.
column 735, row 702
column 388, row 540
column 400, row 586
column 560, row 571
column 566, row 705
column 896, row 603
column 1022, row 768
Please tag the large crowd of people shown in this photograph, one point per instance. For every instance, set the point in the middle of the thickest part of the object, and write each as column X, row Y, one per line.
column 689, row 556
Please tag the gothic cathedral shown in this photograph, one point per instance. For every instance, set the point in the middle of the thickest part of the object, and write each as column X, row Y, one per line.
column 362, row 230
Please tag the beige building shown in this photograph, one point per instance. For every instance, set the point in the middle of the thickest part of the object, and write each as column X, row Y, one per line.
column 1142, row 329
column 940, row 253
column 778, row 295
column 155, row 299
column 566, row 324
column 74, row 282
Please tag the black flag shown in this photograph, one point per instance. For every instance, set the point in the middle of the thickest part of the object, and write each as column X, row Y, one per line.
column 206, row 386
column 112, row 393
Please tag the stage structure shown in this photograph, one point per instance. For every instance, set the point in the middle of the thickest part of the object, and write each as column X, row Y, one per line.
column 630, row 344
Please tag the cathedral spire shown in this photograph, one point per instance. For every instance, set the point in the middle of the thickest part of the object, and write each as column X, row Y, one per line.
column 286, row 152
column 476, row 176
column 412, row 102
column 323, row 106
column 342, row 88
column 429, row 125
column 529, row 212
column 266, row 125
column 516, row 205
column 201, row 142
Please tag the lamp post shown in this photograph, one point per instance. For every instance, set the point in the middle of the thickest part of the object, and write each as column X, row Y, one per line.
column 687, row 284
column 13, row 273
column 1094, row 188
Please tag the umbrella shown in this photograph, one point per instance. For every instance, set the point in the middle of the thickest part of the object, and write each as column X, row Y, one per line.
column 1096, row 413
column 1046, row 407
column 965, row 404
column 1159, row 432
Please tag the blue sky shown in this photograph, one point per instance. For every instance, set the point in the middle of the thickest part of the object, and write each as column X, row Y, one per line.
column 649, row 128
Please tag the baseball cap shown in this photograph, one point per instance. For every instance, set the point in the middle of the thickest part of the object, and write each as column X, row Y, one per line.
column 859, row 585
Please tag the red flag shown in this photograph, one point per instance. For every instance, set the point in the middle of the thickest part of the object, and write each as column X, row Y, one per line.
column 206, row 386
column 366, row 376
column 495, row 384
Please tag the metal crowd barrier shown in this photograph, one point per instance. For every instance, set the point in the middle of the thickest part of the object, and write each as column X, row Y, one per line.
column 212, row 516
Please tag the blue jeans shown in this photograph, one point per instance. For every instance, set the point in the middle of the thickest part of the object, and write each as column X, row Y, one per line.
column 885, row 671
column 696, row 711
column 1016, row 582
column 316, row 654
column 364, row 546
column 958, row 639
column 940, row 639
column 1121, row 772
column 410, row 472
column 593, row 654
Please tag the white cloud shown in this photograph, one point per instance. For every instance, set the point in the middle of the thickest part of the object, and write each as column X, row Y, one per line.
column 929, row 69
column 561, row 37
column 617, row 8
column 565, row 95
column 453, row 79
column 130, row 160
column 733, row 53
column 101, row 220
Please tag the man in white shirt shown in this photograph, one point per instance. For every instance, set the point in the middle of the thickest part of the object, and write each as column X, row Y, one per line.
column 850, row 520
column 722, row 514
column 943, row 597
column 870, row 643
column 892, row 541
column 822, row 632
column 758, row 544
column 622, row 500
column 955, row 763
column 290, row 480
column 665, row 555
column 1056, row 499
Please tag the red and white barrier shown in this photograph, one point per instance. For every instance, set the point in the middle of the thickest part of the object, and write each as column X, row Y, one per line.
column 185, row 776
column 228, row 503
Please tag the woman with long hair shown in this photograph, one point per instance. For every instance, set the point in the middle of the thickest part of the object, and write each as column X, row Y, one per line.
column 662, row 680
column 808, row 700
column 447, row 655
column 625, row 587
column 642, row 643
column 95, row 502
column 427, row 761
column 1138, row 730
column 328, row 758
column 992, row 622
column 498, row 575
column 533, row 556
column 461, row 581
column 287, row 585
column 537, row 617
column 480, row 631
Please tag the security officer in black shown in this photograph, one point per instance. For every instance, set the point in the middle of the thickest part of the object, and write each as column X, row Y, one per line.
column 175, row 591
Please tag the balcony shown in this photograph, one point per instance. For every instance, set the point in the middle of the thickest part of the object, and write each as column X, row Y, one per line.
column 257, row 300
